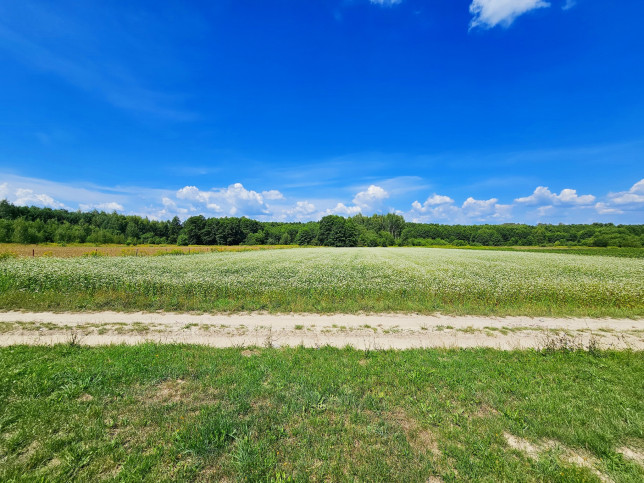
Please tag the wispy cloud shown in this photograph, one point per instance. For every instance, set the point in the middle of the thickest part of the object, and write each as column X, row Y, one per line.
column 25, row 196
column 569, row 4
column 385, row 3
column 622, row 202
column 489, row 13
column 633, row 195
column 62, row 46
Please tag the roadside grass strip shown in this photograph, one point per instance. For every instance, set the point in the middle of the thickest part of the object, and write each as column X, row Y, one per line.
column 190, row 413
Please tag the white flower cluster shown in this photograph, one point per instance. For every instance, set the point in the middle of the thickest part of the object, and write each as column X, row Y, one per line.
column 452, row 275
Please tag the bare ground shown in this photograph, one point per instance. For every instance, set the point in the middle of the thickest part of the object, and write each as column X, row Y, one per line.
column 381, row 331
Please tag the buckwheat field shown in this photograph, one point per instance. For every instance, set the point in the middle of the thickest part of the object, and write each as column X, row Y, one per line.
column 334, row 280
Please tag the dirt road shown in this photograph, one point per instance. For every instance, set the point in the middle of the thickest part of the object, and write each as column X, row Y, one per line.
column 382, row 331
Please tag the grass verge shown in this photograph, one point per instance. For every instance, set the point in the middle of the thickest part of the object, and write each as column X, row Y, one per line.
column 308, row 302
column 154, row 412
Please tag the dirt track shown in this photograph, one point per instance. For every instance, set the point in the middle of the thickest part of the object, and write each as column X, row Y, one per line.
column 383, row 331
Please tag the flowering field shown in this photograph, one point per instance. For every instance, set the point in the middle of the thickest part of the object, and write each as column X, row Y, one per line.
column 86, row 250
column 333, row 280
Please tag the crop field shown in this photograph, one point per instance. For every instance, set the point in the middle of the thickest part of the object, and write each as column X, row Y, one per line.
column 333, row 280
column 84, row 250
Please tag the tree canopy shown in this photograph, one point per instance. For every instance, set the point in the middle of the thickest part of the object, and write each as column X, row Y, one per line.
column 22, row 224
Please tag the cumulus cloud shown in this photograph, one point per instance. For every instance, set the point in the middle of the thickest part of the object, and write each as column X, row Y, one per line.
column 242, row 201
column 271, row 205
column 342, row 209
column 235, row 200
column 634, row 195
column 372, row 196
column 446, row 212
column 543, row 196
column 431, row 202
column 489, row 13
column 272, row 195
column 25, row 197
column 302, row 208
column 439, row 208
column 193, row 193
column 623, row 201
column 473, row 208
column 368, row 200
column 109, row 206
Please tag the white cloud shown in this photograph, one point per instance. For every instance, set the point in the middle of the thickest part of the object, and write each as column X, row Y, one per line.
column 109, row 206
column 485, row 210
column 373, row 196
column 26, row 197
column 303, row 208
column 571, row 196
column 193, row 193
column 489, row 13
column 439, row 208
column 235, row 200
column 386, row 3
column 477, row 208
column 242, row 201
column 272, row 195
column 633, row 196
column 368, row 200
column 447, row 212
column 271, row 205
column 605, row 209
column 342, row 209
column 543, row 196
column 569, row 4
column 431, row 202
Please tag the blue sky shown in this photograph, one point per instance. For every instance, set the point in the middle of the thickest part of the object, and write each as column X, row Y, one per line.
column 449, row 111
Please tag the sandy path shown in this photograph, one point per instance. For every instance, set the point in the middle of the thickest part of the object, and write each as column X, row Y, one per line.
column 382, row 331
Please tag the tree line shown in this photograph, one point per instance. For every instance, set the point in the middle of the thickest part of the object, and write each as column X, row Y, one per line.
column 22, row 224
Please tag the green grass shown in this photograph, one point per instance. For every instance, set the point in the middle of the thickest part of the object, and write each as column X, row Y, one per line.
column 626, row 252
column 598, row 252
column 176, row 412
column 327, row 280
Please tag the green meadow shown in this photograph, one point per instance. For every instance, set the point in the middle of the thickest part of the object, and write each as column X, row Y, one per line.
column 172, row 412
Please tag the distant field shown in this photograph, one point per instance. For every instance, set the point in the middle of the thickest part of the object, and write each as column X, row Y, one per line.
column 186, row 413
column 19, row 250
column 332, row 280
column 85, row 250
column 602, row 252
